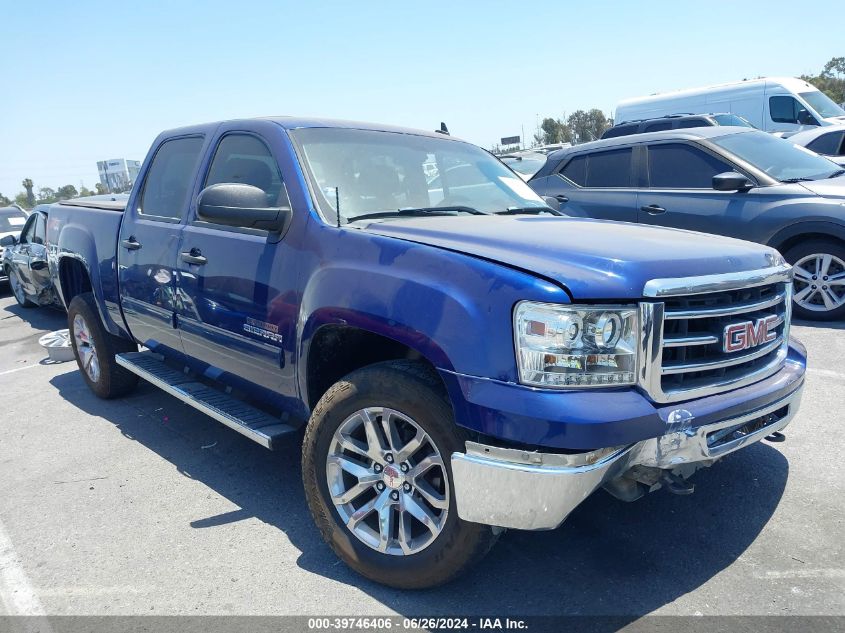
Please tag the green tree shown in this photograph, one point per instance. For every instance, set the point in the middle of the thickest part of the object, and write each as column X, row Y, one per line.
column 30, row 197
column 587, row 125
column 4, row 201
column 831, row 80
column 21, row 201
column 46, row 195
column 66, row 192
column 555, row 131
column 101, row 189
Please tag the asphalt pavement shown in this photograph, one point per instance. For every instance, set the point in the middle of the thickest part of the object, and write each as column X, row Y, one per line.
column 145, row 506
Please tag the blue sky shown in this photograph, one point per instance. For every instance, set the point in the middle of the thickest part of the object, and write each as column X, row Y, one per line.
column 86, row 81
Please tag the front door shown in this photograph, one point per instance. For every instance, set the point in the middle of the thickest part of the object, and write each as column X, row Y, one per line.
column 680, row 192
column 149, row 243
column 232, row 282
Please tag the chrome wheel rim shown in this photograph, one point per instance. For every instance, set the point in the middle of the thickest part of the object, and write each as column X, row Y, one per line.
column 85, row 350
column 387, row 481
column 819, row 281
column 17, row 288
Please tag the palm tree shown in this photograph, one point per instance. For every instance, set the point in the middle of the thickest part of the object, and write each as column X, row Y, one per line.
column 30, row 197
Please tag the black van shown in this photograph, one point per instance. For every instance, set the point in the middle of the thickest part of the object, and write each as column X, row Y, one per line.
column 674, row 122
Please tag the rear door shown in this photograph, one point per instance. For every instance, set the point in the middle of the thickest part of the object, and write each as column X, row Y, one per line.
column 597, row 184
column 235, row 286
column 679, row 191
column 149, row 243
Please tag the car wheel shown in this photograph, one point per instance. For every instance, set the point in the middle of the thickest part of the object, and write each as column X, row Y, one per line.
column 378, row 477
column 95, row 349
column 819, row 279
column 17, row 290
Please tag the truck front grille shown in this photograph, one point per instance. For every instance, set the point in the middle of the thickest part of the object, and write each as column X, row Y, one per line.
column 688, row 357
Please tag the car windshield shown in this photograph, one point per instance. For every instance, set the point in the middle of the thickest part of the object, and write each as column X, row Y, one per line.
column 822, row 104
column 731, row 119
column 777, row 157
column 527, row 165
column 11, row 220
column 380, row 172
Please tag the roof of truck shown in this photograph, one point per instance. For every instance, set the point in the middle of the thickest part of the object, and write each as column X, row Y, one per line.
column 791, row 83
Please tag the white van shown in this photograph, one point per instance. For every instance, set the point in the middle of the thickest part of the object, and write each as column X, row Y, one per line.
column 773, row 104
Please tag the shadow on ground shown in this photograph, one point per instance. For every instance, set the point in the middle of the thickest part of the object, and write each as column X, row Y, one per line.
column 609, row 558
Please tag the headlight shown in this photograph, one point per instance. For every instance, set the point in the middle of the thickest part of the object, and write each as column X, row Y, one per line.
column 575, row 346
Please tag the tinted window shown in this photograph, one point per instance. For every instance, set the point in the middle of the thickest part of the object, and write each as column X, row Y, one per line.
column 28, row 233
column 731, row 119
column 784, row 109
column 242, row 158
column 685, row 123
column 620, row 130
column 576, row 170
column 169, row 178
column 658, row 126
column 827, row 144
column 679, row 166
column 40, row 236
column 609, row 169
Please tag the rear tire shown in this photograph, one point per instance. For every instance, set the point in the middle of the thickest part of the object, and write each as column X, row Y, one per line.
column 95, row 349
column 819, row 279
column 17, row 290
column 413, row 555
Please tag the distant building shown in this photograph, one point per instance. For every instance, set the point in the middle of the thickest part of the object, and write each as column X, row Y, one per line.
column 118, row 174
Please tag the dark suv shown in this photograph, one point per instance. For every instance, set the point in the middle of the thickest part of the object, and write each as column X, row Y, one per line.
column 733, row 181
column 674, row 122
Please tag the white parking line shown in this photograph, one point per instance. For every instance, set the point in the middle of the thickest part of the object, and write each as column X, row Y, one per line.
column 16, row 594
column 827, row 373
column 12, row 371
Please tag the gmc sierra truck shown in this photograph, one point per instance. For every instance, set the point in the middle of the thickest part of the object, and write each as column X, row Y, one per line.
column 456, row 357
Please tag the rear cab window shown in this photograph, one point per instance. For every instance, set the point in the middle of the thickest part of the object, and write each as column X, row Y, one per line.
column 682, row 166
column 169, row 178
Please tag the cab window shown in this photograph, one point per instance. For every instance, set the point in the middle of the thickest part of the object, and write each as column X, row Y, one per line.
column 170, row 177
column 245, row 159
column 785, row 109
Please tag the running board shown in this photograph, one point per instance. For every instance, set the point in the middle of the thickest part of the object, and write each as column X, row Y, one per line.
column 243, row 418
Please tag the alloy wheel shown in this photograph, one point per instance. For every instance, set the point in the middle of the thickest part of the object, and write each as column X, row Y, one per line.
column 85, row 348
column 819, row 281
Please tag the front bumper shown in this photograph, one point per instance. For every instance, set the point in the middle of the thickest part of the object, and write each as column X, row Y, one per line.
column 529, row 490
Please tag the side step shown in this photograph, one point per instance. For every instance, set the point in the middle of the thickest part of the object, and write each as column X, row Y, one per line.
column 243, row 418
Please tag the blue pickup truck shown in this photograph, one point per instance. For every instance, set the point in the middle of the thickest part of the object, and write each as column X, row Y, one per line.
column 455, row 357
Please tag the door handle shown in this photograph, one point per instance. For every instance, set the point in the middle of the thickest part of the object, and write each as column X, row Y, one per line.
column 194, row 256
column 131, row 244
column 653, row 209
column 561, row 198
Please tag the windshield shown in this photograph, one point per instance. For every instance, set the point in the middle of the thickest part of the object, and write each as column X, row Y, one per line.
column 528, row 165
column 822, row 104
column 731, row 119
column 779, row 158
column 11, row 220
column 376, row 171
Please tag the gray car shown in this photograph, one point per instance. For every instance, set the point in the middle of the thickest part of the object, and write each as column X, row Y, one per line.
column 726, row 180
column 24, row 261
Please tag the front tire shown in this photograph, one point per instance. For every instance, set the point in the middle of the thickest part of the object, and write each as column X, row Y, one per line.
column 819, row 279
column 17, row 290
column 378, row 477
column 95, row 349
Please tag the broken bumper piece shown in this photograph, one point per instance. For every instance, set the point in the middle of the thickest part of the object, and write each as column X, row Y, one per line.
column 527, row 490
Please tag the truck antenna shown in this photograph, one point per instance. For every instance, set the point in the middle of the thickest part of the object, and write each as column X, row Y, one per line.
column 337, row 204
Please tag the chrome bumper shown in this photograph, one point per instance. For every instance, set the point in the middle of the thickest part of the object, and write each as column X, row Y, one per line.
column 527, row 490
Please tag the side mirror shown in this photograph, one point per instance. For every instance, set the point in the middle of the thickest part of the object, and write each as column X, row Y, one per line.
column 9, row 240
column 805, row 118
column 245, row 206
column 731, row 181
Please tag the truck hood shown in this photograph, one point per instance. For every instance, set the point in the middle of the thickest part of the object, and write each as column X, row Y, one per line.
column 593, row 259
column 827, row 187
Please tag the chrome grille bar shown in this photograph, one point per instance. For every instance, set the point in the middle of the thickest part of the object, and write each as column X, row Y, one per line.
column 730, row 361
column 704, row 312
column 686, row 341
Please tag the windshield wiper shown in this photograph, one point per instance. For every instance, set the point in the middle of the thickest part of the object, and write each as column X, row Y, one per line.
column 529, row 211
column 838, row 172
column 798, row 180
column 417, row 211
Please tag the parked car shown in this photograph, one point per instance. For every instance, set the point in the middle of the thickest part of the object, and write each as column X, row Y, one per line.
column 526, row 163
column 772, row 104
column 463, row 359
column 12, row 220
column 674, row 122
column 826, row 141
column 728, row 180
column 24, row 261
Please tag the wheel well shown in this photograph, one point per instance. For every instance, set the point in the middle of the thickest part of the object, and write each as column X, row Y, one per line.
column 73, row 278
column 804, row 237
column 337, row 350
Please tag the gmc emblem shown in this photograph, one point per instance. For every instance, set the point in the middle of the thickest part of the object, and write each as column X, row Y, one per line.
column 740, row 336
